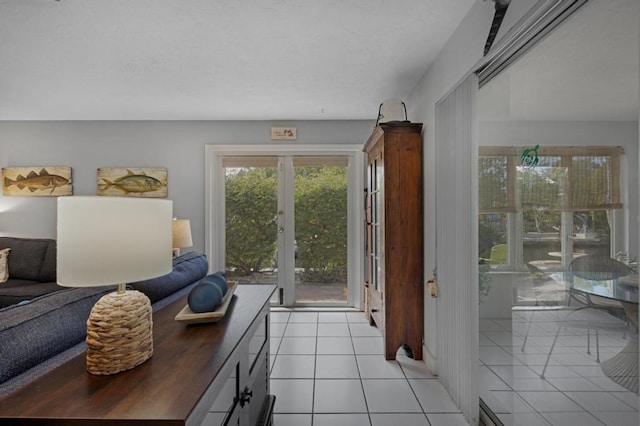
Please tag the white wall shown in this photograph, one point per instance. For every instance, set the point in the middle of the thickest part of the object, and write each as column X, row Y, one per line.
column 502, row 292
column 178, row 146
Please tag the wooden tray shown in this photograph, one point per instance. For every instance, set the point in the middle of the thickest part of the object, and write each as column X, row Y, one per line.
column 186, row 316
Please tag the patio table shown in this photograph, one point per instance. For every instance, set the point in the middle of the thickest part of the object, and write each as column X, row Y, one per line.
column 623, row 367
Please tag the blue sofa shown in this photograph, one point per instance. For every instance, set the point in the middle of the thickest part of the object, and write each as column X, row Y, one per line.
column 32, row 269
column 47, row 330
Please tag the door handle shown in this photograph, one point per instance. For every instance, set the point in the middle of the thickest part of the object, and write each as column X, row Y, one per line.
column 245, row 396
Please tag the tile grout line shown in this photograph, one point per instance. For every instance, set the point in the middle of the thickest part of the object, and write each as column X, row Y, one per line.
column 315, row 364
column 575, row 349
column 355, row 358
column 424, row 411
column 275, row 357
column 358, row 369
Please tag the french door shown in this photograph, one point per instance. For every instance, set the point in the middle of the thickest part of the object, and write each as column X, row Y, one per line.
column 286, row 218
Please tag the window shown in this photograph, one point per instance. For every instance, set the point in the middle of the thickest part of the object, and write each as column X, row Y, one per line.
column 547, row 213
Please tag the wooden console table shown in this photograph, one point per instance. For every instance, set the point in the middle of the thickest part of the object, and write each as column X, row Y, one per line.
column 213, row 374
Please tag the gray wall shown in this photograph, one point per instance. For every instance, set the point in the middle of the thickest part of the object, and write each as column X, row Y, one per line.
column 175, row 145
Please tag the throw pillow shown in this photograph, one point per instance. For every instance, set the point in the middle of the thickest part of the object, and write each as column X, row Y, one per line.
column 4, row 265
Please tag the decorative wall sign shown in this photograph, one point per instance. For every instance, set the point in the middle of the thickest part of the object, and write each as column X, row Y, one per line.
column 47, row 181
column 283, row 133
column 130, row 182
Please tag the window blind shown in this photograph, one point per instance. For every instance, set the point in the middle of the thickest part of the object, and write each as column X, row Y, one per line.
column 272, row 161
column 250, row 161
column 565, row 178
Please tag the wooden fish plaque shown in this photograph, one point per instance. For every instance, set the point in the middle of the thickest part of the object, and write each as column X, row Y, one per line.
column 133, row 182
column 47, row 181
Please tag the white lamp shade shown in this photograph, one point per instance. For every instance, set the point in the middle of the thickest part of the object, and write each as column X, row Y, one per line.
column 112, row 240
column 182, row 233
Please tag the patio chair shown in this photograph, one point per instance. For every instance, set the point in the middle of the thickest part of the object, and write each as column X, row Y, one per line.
column 498, row 255
column 606, row 314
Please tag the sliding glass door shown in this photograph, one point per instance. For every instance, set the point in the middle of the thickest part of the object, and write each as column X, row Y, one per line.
column 557, row 229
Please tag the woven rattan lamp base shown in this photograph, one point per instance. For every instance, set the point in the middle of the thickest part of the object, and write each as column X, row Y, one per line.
column 119, row 333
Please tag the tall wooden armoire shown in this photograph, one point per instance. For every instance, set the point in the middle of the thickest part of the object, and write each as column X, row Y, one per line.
column 394, row 242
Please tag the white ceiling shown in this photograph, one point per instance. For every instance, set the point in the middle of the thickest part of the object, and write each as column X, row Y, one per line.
column 585, row 70
column 215, row 60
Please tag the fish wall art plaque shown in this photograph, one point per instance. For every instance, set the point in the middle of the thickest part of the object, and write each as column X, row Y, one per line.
column 48, row 181
column 133, row 182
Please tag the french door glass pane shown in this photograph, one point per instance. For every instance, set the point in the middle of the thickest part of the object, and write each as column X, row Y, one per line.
column 320, row 201
column 251, row 205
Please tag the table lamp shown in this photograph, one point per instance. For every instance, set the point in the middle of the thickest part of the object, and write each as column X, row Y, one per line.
column 181, row 235
column 114, row 240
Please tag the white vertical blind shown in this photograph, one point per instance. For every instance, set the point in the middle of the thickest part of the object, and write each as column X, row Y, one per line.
column 457, row 246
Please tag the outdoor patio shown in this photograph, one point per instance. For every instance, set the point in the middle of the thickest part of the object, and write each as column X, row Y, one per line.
column 306, row 292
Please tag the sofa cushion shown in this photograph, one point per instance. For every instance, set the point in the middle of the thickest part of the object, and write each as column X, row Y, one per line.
column 33, row 332
column 4, row 265
column 16, row 291
column 187, row 269
column 48, row 271
column 27, row 256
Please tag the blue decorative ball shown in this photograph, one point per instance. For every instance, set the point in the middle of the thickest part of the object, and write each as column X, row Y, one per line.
column 204, row 297
column 218, row 279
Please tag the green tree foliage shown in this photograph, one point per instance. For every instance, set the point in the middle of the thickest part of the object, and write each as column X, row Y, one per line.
column 320, row 221
column 251, row 219
column 487, row 235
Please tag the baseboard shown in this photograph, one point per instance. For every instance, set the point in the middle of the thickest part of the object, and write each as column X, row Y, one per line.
column 430, row 360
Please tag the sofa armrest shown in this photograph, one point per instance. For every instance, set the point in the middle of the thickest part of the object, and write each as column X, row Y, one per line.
column 34, row 332
column 187, row 269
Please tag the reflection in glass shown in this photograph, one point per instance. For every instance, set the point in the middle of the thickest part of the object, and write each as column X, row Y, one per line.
column 558, row 346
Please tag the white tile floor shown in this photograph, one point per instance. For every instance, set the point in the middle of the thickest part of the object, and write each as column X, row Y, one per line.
column 574, row 390
column 328, row 369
